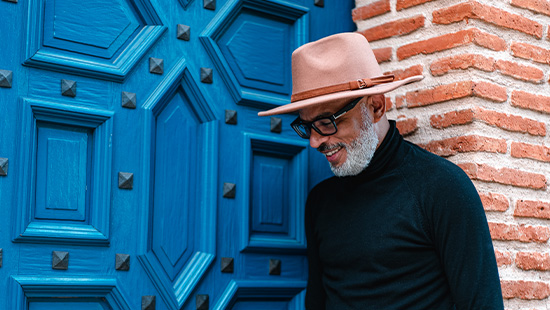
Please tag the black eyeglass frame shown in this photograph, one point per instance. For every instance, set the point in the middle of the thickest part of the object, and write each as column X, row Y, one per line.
column 298, row 122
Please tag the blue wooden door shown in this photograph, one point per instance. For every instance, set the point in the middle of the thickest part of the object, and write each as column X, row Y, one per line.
column 134, row 172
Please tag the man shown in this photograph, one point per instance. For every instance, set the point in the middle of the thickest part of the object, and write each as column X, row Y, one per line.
column 397, row 227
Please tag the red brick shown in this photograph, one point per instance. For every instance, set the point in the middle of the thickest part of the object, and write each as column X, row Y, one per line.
column 463, row 144
column 522, row 233
column 399, row 102
column 530, row 101
column 490, row 91
column 439, row 94
column 533, row 261
column 531, row 52
column 371, row 10
column 405, row 73
column 394, row 28
column 506, row 176
column 436, row 44
column 503, row 258
column 530, row 208
column 494, row 202
column 452, row 118
column 520, row 72
column 456, row 90
column 389, row 104
column 452, row 14
column 403, row 4
column 382, row 54
column 505, row 121
column 451, row 40
column 493, row 15
column 537, row 6
column 510, row 122
column 489, row 41
column 464, row 61
column 527, row 290
column 536, row 152
column 406, row 126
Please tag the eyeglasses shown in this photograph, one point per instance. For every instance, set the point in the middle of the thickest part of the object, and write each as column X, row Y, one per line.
column 324, row 126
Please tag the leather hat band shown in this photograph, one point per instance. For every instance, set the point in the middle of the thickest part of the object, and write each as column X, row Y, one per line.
column 353, row 85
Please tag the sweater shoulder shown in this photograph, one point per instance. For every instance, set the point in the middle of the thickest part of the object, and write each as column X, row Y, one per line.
column 432, row 169
column 438, row 184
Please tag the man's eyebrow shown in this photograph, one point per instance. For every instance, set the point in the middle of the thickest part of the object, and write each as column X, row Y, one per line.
column 322, row 115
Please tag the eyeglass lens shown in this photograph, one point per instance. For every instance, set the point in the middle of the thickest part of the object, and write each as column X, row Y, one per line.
column 303, row 130
column 324, row 126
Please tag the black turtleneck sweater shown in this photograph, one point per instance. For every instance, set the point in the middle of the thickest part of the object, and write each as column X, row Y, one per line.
column 409, row 232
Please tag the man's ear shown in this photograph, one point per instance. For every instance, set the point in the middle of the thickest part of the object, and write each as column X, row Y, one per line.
column 377, row 105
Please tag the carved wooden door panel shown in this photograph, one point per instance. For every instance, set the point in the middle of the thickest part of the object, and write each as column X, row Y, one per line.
column 134, row 172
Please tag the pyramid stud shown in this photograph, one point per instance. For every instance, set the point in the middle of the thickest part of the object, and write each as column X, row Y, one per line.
column 6, row 78
column 184, row 32
column 148, row 302
column 125, row 180
column 320, row 3
column 60, row 260
column 227, row 264
column 3, row 166
column 274, row 267
column 206, row 75
column 276, row 124
column 202, row 302
column 128, row 100
column 229, row 190
column 209, row 4
column 231, row 117
column 68, row 88
column 156, row 65
column 122, row 262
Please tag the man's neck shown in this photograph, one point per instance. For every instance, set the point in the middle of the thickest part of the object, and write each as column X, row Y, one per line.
column 381, row 128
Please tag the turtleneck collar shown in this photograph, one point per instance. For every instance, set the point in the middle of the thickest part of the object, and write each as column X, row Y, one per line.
column 388, row 152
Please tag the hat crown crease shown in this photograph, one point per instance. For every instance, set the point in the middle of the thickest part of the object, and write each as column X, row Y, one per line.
column 333, row 60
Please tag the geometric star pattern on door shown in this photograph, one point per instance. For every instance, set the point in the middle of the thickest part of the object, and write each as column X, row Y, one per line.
column 31, row 292
column 258, row 75
column 181, row 138
column 97, row 38
column 80, row 108
column 265, row 295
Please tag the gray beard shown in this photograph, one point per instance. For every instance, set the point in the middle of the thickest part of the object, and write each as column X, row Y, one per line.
column 360, row 151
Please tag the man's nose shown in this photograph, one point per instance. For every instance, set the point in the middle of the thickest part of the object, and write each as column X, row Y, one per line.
column 315, row 140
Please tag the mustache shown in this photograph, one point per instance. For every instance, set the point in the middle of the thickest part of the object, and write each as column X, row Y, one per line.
column 328, row 147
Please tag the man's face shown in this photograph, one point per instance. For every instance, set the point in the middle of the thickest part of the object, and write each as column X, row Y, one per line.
column 351, row 148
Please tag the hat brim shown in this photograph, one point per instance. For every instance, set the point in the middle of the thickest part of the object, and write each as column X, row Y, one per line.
column 375, row 90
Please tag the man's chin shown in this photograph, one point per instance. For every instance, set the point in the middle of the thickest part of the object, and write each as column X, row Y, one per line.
column 343, row 168
column 339, row 170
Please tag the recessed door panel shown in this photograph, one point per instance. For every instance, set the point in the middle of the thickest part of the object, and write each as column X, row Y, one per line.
column 269, row 196
column 70, row 304
column 62, row 174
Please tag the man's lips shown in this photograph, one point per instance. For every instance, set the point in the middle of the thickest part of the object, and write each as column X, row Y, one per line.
column 332, row 154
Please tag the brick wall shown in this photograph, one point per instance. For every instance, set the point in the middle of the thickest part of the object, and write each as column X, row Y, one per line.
column 484, row 104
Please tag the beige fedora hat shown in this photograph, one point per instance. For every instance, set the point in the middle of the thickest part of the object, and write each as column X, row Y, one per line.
column 336, row 67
